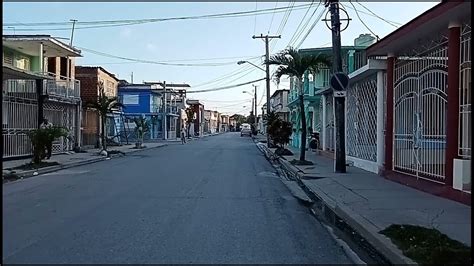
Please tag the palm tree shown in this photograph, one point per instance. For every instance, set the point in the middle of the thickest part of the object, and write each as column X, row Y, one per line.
column 104, row 105
column 295, row 64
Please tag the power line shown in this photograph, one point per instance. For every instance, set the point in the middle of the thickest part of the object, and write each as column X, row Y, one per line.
column 226, row 76
column 125, row 22
column 301, row 22
column 271, row 21
column 179, row 60
column 283, row 23
column 306, row 25
column 255, row 21
column 227, row 87
column 373, row 15
column 318, row 18
column 153, row 62
column 379, row 17
column 248, row 71
column 363, row 23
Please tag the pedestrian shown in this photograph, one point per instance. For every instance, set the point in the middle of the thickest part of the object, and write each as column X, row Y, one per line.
column 49, row 144
column 183, row 135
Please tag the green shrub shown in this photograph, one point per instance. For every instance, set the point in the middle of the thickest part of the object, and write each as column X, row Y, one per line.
column 42, row 137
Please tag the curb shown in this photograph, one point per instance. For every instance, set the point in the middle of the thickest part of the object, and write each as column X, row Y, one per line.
column 49, row 169
column 364, row 228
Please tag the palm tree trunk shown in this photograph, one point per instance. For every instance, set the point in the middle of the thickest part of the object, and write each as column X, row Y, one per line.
column 303, row 122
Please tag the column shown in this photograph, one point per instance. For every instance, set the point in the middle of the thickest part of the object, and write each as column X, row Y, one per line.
column 452, row 110
column 41, row 59
column 389, row 123
column 323, row 123
column 380, row 120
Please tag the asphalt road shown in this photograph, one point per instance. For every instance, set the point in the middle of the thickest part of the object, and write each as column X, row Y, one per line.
column 213, row 200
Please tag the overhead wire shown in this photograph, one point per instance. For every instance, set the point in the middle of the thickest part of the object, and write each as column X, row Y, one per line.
column 374, row 15
column 154, row 62
column 282, row 24
column 363, row 23
column 318, row 18
column 125, row 22
column 255, row 21
column 301, row 22
column 273, row 15
column 226, row 87
column 379, row 17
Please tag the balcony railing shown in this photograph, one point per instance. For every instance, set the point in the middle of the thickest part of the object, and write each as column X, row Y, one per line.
column 63, row 88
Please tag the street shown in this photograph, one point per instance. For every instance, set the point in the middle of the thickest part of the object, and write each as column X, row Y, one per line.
column 213, row 200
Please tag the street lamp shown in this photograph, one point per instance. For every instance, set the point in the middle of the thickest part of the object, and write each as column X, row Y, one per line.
column 243, row 62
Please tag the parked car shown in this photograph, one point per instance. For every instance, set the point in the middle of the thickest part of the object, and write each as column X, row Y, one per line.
column 245, row 129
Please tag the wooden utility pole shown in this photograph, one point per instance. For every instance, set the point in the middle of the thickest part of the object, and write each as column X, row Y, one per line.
column 255, row 100
column 267, row 70
column 339, row 102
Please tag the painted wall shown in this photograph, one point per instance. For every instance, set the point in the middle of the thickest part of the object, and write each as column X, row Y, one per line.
column 135, row 102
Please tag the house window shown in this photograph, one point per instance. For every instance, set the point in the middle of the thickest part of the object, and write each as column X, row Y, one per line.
column 8, row 58
column 22, row 62
column 130, row 99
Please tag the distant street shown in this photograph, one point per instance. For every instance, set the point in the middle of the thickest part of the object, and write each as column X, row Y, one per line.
column 214, row 200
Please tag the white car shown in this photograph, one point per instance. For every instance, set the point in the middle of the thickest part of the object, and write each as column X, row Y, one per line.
column 245, row 129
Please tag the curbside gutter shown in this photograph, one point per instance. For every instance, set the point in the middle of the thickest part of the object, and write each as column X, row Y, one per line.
column 54, row 168
column 324, row 204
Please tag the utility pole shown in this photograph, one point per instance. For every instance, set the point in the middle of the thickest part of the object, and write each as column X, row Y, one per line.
column 72, row 32
column 267, row 70
column 132, row 78
column 339, row 102
column 255, row 100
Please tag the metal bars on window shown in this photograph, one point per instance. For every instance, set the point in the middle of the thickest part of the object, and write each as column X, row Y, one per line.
column 361, row 129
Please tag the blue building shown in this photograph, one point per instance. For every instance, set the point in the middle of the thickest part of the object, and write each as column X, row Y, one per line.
column 142, row 100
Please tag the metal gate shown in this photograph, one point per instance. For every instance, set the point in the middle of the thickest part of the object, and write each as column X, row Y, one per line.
column 64, row 115
column 465, row 132
column 19, row 115
column 329, row 127
column 420, row 98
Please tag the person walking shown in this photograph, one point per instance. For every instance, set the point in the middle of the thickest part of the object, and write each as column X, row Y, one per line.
column 49, row 144
column 183, row 135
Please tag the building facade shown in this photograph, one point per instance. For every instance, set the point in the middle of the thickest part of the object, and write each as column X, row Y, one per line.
column 93, row 80
column 315, row 85
column 38, row 82
column 142, row 100
column 279, row 104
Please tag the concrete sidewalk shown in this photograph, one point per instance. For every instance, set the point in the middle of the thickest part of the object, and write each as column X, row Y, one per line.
column 72, row 159
column 369, row 203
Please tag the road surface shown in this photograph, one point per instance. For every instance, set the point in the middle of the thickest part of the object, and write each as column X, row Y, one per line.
column 213, row 200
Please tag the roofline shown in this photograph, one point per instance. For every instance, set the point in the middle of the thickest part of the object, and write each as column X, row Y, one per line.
column 414, row 23
column 33, row 37
column 101, row 68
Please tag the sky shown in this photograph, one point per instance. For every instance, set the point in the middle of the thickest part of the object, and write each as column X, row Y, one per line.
column 222, row 41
